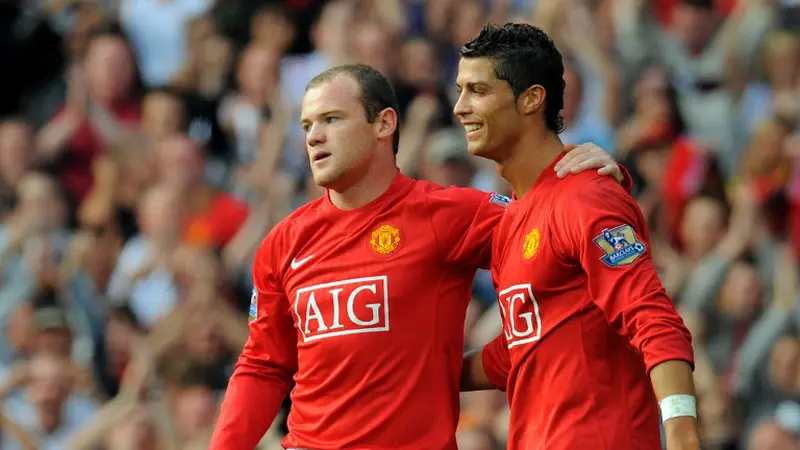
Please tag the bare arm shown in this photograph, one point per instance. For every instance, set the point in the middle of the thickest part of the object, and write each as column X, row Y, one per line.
column 420, row 112
column 97, row 208
column 636, row 35
column 392, row 14
column 245, row 242
column 93, row 433
column 165, row 425
column 274, row 187
column 473, row 375
column 487, row 368
column 22, row 437
column 579, row 24
column 741, row 36
column 234, row 328
column 54, row 136
column 675, row 378
column 110, row 130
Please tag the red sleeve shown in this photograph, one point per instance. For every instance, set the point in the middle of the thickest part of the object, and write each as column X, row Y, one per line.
column 627, row 180
column 496, row 364
column 464, row 220
column 606, row 231
column 263, row 374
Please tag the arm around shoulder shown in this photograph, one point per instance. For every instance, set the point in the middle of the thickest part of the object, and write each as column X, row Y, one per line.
column 487, row 368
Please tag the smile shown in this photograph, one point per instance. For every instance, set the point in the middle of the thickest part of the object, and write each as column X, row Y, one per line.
column 472, row 128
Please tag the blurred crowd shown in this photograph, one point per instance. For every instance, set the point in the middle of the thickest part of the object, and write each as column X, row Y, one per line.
column 147, row 146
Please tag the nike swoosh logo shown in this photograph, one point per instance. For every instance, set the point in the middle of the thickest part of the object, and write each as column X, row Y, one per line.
column 295, row 263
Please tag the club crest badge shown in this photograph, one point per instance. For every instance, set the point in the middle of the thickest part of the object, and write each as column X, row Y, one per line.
column 531, row 243
column 385, row 239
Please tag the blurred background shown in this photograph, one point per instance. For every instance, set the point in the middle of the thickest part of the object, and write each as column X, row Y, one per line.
column 147, row 146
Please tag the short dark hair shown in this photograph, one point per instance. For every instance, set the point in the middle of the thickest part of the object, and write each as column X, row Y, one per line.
column 276, row 9
column 707, row 5
column 524, row 56
column 377, row 93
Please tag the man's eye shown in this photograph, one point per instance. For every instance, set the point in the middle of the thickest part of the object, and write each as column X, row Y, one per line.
column 331, row 119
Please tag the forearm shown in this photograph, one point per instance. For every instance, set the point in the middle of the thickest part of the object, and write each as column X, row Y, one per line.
column 633, row 42
column 755, row 349
column 168, row 332
column 55, row 135
column 23, row 438
column 234, row 328
column 487, row 368
column 700, row 288
column 106, row 125
column 409, row 154
column 94, row 432
column 98, row 208
column 240, row 249
column 675, row 378
column 165, row 426
column 473, row 376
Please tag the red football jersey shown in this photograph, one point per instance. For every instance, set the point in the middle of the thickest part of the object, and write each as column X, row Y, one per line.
column 364, row 310
column 585, row 318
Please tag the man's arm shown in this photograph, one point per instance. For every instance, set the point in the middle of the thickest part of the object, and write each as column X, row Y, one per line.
column 464, row 219
column 486, row 368
column 589, row 156
column 263, row 374
column 606, row 231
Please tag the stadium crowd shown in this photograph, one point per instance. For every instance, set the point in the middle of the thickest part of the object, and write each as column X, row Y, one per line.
column 147, row 147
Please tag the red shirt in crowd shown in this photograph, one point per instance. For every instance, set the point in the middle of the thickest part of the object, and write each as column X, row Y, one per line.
column 218, row 223
column 585, row 318
column 78, row 156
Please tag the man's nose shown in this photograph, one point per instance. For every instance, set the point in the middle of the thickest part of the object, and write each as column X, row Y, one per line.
column 315, row 136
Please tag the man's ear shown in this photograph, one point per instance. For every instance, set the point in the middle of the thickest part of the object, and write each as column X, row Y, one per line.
column 532, row 99
column 386, row 123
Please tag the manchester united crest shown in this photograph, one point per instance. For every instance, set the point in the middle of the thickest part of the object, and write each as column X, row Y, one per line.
column 530, row 244
column 385, row 239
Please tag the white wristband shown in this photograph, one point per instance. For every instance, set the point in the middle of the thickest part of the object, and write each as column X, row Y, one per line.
column 678, row 406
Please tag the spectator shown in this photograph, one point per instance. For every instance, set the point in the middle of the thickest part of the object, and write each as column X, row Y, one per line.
column 143, row 274
column 158, row 33
column 129, row 217
column 16, row 157
column 40, row 397
column 213, row 217
column 100, row 106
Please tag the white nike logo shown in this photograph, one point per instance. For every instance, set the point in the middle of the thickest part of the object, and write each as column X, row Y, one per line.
column 295, row 263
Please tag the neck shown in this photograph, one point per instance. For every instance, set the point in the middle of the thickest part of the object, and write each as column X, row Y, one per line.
column 528, row 159
column 375, row 181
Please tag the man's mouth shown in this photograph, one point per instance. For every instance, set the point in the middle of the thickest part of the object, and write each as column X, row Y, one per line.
column 320, row 156
column 472, row 127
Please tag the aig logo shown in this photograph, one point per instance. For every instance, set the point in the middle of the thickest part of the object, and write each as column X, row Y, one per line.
column 521, row 321
column 359, row 305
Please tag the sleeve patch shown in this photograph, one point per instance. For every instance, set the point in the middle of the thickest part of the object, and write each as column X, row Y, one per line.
column 253, row 315
column 501, row 200
column 621, row 247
